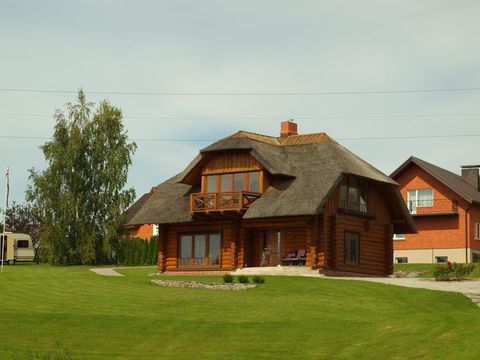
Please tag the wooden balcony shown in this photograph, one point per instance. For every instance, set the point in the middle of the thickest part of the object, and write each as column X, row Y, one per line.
column 224, row 201
column 433, row 207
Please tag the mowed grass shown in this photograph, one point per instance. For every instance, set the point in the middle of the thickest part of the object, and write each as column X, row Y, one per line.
column 46, row 311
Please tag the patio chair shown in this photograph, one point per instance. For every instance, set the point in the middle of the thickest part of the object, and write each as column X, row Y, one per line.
column 291, row 256
column 301, row 258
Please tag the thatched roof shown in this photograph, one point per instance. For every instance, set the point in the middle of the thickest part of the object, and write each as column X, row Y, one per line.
column 137, row 205
column 449, row 179
column 305, row 168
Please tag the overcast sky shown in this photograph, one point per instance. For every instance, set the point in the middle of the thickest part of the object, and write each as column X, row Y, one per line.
column 248, row 47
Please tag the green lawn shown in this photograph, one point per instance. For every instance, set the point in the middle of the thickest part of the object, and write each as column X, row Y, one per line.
column 429, row 268
column 47, row 310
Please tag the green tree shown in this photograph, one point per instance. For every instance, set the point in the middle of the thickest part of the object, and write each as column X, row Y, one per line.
column 81, row 195
column 23, row 218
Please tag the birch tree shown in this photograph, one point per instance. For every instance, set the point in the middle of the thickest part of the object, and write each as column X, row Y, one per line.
column 81, row 196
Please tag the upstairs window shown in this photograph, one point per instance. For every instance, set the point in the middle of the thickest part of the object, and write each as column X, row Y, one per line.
column 419, row 198
column 242, row 181
column 353, row 194
column 477, row 231
column 211, row 184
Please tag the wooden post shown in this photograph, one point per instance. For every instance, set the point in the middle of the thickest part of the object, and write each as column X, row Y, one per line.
column 162, row 247
column 332, row 243
column 388, row 249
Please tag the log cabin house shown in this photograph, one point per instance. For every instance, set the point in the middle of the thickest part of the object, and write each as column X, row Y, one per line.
column 446, row 210
column 249, row 200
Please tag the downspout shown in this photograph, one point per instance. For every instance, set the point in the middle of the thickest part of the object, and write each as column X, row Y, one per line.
column 466, row 235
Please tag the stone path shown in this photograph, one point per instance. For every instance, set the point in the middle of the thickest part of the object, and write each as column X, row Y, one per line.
column 469, row 288
column 111, row 271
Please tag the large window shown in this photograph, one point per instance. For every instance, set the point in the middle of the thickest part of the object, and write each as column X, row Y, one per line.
column 353, row 194
column 199, row 250
column 243, row 181
column 419, row 198
column 351, row 248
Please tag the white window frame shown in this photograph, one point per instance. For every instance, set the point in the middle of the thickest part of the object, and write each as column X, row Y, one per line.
column 398, row 236
column 416, row 199
column 477, row 231
column 401, row 257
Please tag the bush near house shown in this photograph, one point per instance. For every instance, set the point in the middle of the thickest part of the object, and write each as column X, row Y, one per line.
column 453, row 271
column 137, row 251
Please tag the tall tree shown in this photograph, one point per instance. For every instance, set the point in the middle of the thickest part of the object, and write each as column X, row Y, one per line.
column 81, row 196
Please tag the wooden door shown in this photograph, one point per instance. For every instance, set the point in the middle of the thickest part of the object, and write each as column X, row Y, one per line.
column 273, row 246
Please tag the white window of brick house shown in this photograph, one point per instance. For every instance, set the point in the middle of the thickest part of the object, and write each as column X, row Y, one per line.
column 419, row 198
column 477, row 231
column 398, row 236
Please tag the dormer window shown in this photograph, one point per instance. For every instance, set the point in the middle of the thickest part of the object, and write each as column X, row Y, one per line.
column 241, row 181
column 353, row 194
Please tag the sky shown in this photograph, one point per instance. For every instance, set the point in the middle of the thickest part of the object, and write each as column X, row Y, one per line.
column 244, row 47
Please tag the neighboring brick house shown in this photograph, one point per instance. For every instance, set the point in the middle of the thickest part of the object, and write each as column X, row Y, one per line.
column 253, row 200
column 142, row 231
column 446, row 210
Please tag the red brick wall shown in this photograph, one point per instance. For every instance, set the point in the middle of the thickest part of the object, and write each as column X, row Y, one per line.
column 436, row 231
column 144, row 231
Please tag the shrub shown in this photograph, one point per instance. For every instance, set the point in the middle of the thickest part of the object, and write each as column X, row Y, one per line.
column 453, row 271
column 242, row 279
column 258, row 279
column 227, row 279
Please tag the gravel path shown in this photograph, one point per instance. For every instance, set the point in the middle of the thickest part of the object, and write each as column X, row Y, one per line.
column 111, row 271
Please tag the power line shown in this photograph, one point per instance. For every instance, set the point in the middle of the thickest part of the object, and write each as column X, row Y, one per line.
column 293, row 93
column 310, row 117
column 20, row 137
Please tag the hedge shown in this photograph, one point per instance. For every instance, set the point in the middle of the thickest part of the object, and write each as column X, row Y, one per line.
column 136, row 251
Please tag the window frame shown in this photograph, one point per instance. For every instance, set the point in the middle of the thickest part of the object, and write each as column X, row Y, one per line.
column 401, row 257
column 206, row 264
column 246, row 181
column 22, row 241
column 361, row 187
column 399, row 237
column 477, row 231
column 409, row 202
column 347, row 249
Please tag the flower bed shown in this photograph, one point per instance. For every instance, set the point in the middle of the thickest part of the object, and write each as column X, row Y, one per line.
column 453, row 271
column 203, row 285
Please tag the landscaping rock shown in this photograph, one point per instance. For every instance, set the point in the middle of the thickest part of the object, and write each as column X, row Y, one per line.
column 203, row 285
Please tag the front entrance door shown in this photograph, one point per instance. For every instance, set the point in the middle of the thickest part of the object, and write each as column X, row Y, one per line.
column 273, row 246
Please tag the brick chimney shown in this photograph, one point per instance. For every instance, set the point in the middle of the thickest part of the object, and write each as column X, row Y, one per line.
column 470, row 173
column 287, row 128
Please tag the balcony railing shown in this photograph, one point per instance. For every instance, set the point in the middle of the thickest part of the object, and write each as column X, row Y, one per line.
column 433, row 207
column 236, row 200
column 354, row 206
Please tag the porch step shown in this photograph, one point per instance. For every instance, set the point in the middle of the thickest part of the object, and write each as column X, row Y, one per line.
column 278, row 271
column 475, row 297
